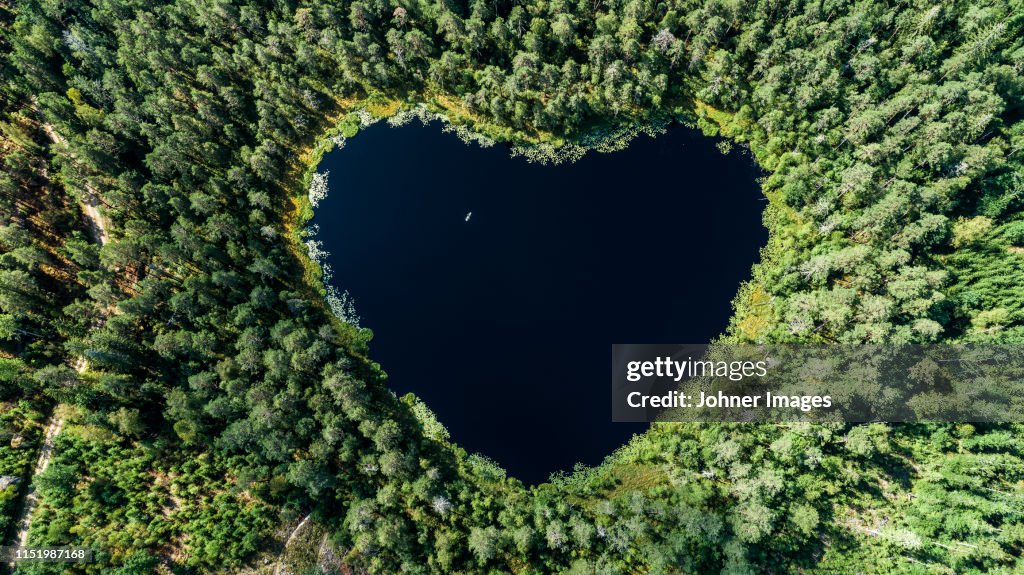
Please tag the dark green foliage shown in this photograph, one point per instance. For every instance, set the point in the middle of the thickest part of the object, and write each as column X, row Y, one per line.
column 143, row 496
column 892, row 141
column 37, row 222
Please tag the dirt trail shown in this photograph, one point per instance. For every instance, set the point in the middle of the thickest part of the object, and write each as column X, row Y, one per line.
column 97, row 225
column 55, row 422
column 54, row 425
column 295, row 532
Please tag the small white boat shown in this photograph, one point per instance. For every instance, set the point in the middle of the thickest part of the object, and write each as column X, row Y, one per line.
column 468, row 215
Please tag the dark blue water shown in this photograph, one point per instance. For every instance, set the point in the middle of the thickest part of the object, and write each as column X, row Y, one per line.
column 503, row 324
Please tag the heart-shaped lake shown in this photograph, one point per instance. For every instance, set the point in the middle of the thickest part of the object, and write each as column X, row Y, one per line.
column 496, row 287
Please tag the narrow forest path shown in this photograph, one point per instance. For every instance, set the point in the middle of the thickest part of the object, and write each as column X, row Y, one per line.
column 96, row 222
column 53, row 427
column 291, row 537
column 55, row 423
column 97, row 227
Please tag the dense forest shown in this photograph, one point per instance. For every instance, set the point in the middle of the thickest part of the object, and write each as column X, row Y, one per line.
column 158, row 298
